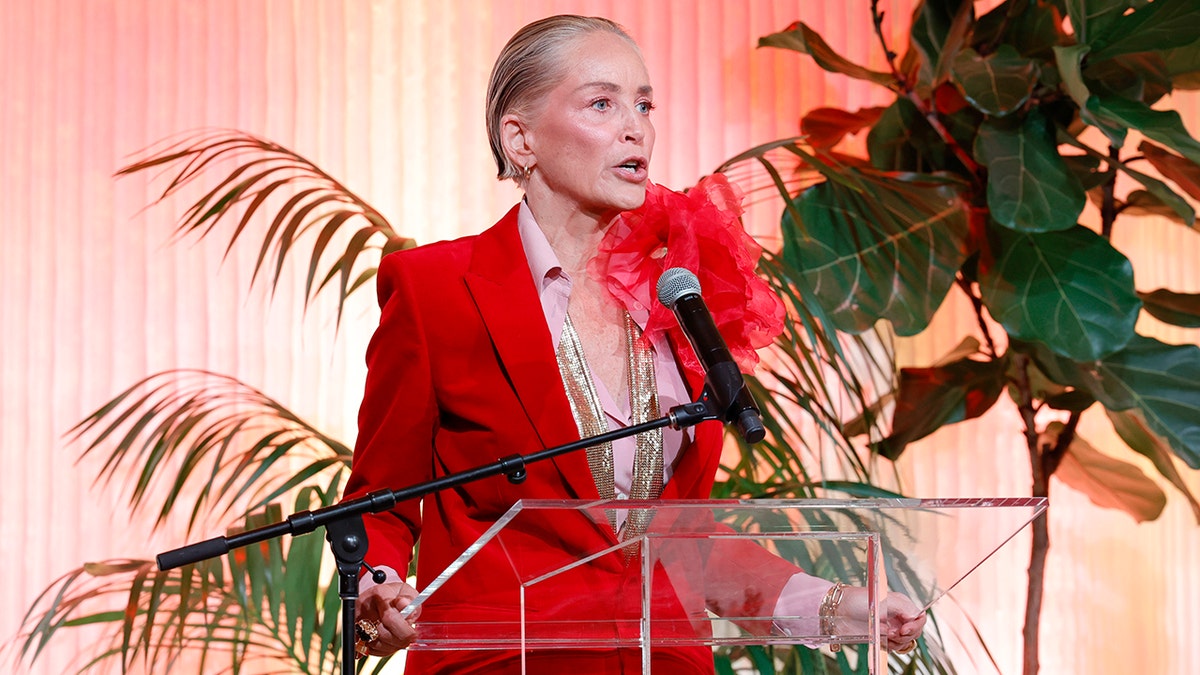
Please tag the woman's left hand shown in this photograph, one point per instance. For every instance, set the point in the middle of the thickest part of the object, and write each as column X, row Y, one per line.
column 900, row 622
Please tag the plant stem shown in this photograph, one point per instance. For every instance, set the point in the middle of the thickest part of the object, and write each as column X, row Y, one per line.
column 1043, row 461
column 926, row 109
column 1033, row 595
column 877, row 19
column 1108, row 205
column 943, row 133
column 977, row 305
column 1041, row 526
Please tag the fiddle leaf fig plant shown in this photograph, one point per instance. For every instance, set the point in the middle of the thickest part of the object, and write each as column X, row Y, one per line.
column 976, row 180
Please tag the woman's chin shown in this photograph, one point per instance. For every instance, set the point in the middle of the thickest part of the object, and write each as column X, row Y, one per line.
column 632, row 198
column 615, row 202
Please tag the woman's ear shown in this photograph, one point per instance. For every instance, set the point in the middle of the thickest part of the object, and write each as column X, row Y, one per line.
column 514, row 138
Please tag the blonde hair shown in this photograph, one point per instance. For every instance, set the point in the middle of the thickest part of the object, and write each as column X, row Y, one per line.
column 528, row 67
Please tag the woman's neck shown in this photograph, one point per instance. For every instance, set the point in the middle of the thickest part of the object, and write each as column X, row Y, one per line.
column 574, row 235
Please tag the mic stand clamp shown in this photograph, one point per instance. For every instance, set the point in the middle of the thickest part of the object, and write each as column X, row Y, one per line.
column 348, row 539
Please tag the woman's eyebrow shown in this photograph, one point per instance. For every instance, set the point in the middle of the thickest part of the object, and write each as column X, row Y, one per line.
column 644, row 90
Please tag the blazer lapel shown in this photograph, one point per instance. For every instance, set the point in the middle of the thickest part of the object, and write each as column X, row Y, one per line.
column 501, row 286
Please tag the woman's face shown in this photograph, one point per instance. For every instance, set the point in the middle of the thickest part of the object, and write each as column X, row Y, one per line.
column 592, row 136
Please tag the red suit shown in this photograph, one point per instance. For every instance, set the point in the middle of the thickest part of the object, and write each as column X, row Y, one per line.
column 462, row 371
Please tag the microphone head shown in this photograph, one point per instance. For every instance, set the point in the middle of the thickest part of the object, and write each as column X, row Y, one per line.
column 676, row 283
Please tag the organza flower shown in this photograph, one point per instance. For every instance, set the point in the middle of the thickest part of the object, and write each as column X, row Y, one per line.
column 699, row 230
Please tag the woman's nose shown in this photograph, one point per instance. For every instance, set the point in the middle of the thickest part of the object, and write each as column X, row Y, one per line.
column 635, row 127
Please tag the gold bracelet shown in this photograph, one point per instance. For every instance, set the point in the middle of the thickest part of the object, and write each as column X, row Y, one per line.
column 828, row 612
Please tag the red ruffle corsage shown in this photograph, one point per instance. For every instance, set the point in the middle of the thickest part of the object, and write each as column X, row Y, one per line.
column 699, row 230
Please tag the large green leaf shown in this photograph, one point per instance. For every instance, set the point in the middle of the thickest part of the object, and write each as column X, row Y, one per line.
column 824, row 128
column 903, row 140
column 1071, row 291
column 1183, row 65
column 866, row 422
column 1087, row 170
column 800, row 38
column 1179, row 170
column 938, row 27
column 1090, row 18
column 956, row 38
column 888, row 249
column 1164, row 126
column 1108, row 482
column 1181, row 210
column 1156, row 378
column 1162, row 24
column 1131, row 426
column 1164, row 194
column 1032, row 31
column 1050, row 393
column 1138, row 77
column 1178, row 309
column 1147, row 203
column 1162, row 381
column 1029, row 187
column 998, row 83
column 1069, row 60
column 930, row 398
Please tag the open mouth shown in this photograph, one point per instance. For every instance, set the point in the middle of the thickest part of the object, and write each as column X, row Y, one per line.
column 633, row 165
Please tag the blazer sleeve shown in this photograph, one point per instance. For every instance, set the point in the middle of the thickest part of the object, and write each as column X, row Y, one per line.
column 397, row 419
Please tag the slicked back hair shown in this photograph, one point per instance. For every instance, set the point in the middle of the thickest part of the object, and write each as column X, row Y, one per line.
column 528, row 67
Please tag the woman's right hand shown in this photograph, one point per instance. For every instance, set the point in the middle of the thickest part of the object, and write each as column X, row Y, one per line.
column 381, row 604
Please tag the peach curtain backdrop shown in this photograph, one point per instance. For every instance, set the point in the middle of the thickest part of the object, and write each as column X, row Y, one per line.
column 387, row 95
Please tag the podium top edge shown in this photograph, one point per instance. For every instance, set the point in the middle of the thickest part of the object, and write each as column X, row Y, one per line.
column 1037, row 503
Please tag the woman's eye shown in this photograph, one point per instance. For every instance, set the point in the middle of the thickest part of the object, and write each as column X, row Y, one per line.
column 602, row 104
column 645, row 107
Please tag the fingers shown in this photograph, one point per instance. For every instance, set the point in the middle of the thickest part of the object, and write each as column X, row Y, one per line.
column 394, row 635
column 904, row 623
column 901, row 605
column 903, row 638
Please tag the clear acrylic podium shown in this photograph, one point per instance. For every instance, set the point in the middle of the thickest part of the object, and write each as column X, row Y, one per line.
column 701, row 573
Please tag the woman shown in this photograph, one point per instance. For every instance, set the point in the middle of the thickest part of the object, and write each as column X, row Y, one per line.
column 504, row 342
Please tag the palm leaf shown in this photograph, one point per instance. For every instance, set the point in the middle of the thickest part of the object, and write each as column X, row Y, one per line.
column 209, row 438
column 259, row 604
column 814, row 378
column 811, row 377
column 263, row 174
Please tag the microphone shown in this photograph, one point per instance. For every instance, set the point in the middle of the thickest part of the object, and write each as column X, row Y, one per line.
column 679, row 290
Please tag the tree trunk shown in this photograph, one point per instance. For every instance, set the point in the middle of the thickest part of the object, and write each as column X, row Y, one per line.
column 1033, row 595
column 1041, row 466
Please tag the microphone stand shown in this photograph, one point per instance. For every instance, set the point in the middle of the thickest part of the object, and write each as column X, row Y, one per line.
column 344, row 524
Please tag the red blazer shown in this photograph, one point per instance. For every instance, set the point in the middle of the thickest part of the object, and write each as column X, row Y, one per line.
column 461, row 372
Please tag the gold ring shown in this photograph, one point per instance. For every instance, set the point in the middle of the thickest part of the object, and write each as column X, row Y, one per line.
column 912, row 644
column 367, row 631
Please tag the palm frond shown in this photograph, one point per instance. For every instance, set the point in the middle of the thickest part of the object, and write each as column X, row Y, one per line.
column 811, row 380
column 209, row 438
column 263, row 172
column 821, row 390
column 261, row 603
